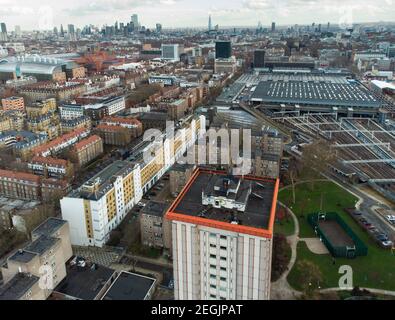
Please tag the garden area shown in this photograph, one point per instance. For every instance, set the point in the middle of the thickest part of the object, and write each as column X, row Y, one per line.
column 376, row 270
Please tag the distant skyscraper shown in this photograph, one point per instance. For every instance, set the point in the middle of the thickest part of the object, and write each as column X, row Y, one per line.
column 61, row 30
column 223, row 49
column 135, row 20
column 55, row 31
column 3, row 33
column 3, row 27
column 18, row 30
column 273, row 26
column 70, row 29
column 158, row 28
column 71, row 32
column 209, row 23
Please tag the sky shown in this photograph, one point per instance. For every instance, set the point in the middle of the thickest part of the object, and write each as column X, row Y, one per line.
column 45, row 14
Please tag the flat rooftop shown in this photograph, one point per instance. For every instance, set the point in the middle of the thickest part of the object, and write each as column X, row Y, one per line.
column 349, row 94
column 84, row 283
column 104, row 180
column 41, row 244
column 129, row 286
column 155, row 208
column 18, row 286
column 22, row 256
column 257, row 219
column 48, row 227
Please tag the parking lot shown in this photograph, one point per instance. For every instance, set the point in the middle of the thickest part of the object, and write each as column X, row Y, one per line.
column 375, row 232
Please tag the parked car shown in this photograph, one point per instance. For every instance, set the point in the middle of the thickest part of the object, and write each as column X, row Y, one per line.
column 391, row 218
column 382, row 237
column 387, row 244
column 357, row 213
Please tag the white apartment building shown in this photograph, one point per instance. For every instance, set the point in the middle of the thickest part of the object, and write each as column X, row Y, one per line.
column 222, row 252
column 110, row 106
column 100, row 204
column 71, row 111
column 172, row 52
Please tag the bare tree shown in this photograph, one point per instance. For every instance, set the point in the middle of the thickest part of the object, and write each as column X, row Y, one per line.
column 316, row 158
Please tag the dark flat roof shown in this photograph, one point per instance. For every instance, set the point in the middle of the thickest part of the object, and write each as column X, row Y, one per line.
column 129, row 286
column 258, row 208
column 322, row 93
column 22, row 256
column 49, row 226
column 41, row 244
column 17, row 286
column 155, row 208
column 86, row 282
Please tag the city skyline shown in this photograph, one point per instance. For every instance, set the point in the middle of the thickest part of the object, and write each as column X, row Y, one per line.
column 186, row 13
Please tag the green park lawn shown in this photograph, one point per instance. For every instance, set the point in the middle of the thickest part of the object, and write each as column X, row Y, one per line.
column 376, row 270
column 285, row 227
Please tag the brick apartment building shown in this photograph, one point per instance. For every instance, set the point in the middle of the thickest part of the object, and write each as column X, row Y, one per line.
column 87, row 149
column 13, row 103
column 20, row 185
column 51, row 167
column 114, row 135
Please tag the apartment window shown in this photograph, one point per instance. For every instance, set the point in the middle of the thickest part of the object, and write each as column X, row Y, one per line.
column 213, row 286
column 213, row 256
column 222, row 268
column 212, row 245
column 212, row 296
column 222, row 247
column 212, row 276
column 222, row 278
column 223, row 258
column 213, row 266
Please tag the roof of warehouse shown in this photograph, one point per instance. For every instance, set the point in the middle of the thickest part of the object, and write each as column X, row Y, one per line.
column 296, row 92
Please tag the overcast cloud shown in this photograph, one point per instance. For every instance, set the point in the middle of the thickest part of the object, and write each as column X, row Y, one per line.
column 30, row 14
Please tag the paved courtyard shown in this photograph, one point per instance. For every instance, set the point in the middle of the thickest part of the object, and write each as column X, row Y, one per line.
column 97, row 255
